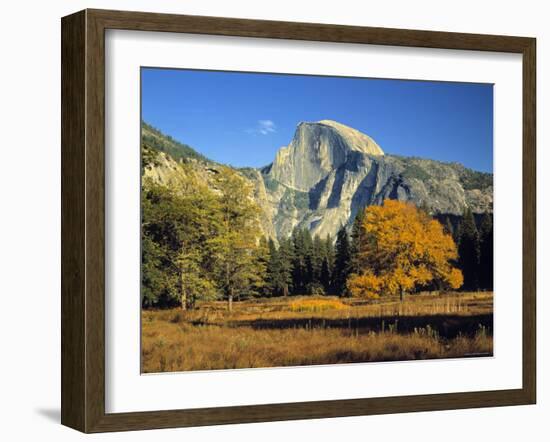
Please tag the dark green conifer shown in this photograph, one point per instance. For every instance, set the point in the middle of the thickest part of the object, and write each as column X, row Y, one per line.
column 469, row 251
column 342, row 264
column 486, row 252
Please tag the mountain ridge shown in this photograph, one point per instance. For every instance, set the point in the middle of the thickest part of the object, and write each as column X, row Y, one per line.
column 329, row 171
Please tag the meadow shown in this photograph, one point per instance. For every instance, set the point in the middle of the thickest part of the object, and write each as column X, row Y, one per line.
column 297, row 331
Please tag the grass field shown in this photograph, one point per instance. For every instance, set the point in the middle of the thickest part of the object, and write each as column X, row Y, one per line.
column 295, row 331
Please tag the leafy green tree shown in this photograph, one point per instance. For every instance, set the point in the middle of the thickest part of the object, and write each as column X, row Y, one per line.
column 155, row 281
column 175, row 226
column 194, row 282
column 159, row 248
column 263, row 256
column 237, row 267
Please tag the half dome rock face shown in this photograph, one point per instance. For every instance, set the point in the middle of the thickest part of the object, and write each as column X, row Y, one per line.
column 328, row 173
column 356, row 140
column 316, row 150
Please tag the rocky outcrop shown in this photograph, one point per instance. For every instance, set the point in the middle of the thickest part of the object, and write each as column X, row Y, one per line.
column 316, row 150
column 330, row 171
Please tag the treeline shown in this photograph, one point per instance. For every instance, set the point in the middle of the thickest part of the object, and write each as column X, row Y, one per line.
column 310, row 265
column 301, row 264
column 474, row 236
column 306, row 265
column 158, row 141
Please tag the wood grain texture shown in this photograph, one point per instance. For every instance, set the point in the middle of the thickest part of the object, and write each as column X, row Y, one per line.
column 83, row 220
column 73, row 253
column 144, row 21
column 529, row 221
column 95, row 222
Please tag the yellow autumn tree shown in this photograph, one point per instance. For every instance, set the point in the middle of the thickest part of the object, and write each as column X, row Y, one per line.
column 401, row 249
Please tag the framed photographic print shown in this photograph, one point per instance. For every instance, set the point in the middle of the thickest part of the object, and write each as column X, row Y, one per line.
column 269, row 221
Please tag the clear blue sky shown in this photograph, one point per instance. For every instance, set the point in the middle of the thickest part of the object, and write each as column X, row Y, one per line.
column 242, row 119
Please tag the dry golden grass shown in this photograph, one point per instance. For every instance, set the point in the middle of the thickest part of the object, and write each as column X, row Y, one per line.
column 317, row 305
column 215, row 312
column 282, row 332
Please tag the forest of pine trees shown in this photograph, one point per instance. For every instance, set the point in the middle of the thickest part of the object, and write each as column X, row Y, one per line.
column 473, row 235
column 301, row 264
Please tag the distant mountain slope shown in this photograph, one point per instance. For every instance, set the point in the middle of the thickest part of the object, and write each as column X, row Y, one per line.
column 154, row 138
column 330, row 171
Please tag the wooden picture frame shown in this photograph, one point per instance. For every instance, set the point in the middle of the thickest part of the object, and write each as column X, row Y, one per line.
column 83, row 220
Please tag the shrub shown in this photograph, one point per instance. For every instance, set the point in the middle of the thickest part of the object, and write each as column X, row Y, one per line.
column 315, row 289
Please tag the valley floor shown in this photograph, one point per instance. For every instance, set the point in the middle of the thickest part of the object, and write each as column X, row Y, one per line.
column 296, row 331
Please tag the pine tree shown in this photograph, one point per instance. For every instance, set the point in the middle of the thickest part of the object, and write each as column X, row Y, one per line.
column 357, row 234
column 308, row 258
column 486, row 252
column 342, row 263
column 285, row 258
column 303, row 260
column 469, row 251
column 457, row 231
column 318, row 254
column 329, row 252
column 325, row 276
column 449, row 227
column 298, row 261
column 279, row 268
column 273, row 273
column 309, row 283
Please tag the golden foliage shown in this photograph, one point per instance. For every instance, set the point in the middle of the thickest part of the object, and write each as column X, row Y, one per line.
column 455, row 278
column 366, row 285
column 402, row 249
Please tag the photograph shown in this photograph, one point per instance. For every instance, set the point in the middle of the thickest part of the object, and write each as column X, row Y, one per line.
column 258, row 222
column 298, row 220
